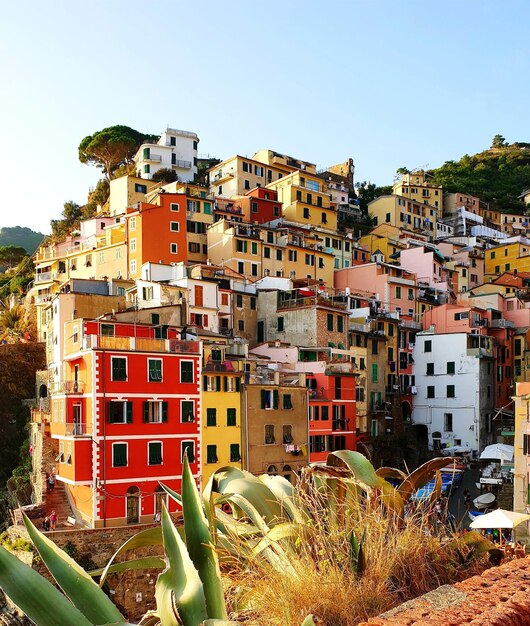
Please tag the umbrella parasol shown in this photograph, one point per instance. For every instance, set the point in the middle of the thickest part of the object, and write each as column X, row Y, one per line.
column 498, row 451
column 499, row 519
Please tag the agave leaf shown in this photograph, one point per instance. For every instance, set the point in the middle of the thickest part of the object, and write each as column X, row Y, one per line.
column 364, row 471
column 258, row 494
column 421, row 476
column 145, row 538
column 83, row 592
column 146, row 562
column 172, row 494
column 43, row 603
column 219, row 622
column 437, row 490
column 287, row 530
column 284, row 492
column 391, row 472
column 200, row 545
column 358, row 557
column 179, row 590
column 151, row 618
column 309, row 621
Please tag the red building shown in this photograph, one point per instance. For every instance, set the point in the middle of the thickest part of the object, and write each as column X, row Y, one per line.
column 332, row 419
column 264, row 205
column 125, row 412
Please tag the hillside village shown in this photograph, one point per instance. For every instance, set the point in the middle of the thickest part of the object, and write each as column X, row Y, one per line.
column 246, row 320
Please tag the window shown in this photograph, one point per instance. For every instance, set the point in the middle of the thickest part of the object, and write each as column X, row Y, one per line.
column 359, row 394
column 173, row 248
column 187, row 448
column 230, row 417
column 330, row 322
column 107, row 330
column 211, row 454
column 147, row 169
column 287, row 401
column 269, row 434
column 375, row 346
column 232, row 383
column 119, row 455
column 247, row 184
column 174, row 226
column 211, row 417
column 133, row 245
column 430, row 391
column 174, row 207
column 280, row 324
column 279, row 255
column 154, row 453
column 155, row 412
column 374, row 372
column 140, row 188
column 187, row 411
column 267, row 253
column 241, row 325
column 293, row 255
column 340, row 324
column 252, row 303
column 154, row 367
column 239, row 301
column 269, row 399
column 119, row 412
column 430, row 369
column 241, row 246
column 427, row 346
column 235, row 455
column 309, row 259
column 147, row 294
column 119, row 368
column 450, row 391
column 254, row 247
column 450, row 367
column 254, row 269
column 287, row 431
column 325, row 413
column 186, row 371
column 448, row 422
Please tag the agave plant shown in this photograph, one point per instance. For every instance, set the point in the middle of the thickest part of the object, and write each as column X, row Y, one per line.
column 189, row 591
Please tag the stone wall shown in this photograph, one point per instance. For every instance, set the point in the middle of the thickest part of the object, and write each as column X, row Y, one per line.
column 133, row 591
column 500, row 596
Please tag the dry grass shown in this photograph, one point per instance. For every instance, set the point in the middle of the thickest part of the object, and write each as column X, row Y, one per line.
column 404, row 559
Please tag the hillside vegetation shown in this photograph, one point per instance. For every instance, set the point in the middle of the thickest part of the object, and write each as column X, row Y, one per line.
column 20, row 236
column 497, row 175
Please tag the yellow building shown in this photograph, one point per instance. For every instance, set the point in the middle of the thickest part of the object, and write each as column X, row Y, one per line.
column 415, row 186
column 404, row 213
column 237, row 175
column 221, row 410
column 127, row 191
column 521, row 458
column 507, row 257
column 385, row 239
column 270, row 157
column 257, row 251
column 306, row 200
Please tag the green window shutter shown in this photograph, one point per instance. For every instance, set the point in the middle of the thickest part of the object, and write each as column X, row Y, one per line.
column 374, row 372
column 110, row 412
column 155, row 453
column 147, row 153
column 146, row 412
column 225, row 380
column 129, row 412
column 211, row 417
column 218, row 383
column 340, row 322
column 235, row 456
column 287, row 402
column 119, row 455
column 211, row 454
column 230, row 417
column 276, row 399
column 205, row 383
column 263, row 398
column 187, row 450
column 164, row 411
column 238, row 384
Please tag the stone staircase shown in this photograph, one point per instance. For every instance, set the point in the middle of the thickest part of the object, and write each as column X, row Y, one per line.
column 57, row 501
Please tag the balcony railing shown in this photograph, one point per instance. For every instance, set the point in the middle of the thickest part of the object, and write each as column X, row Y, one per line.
column 178, row 163
column 155, row 158
column 140, row 344
column 77, row 429
column 68, row 387
column 221, row 366
column 502, row 324
column 44, row 277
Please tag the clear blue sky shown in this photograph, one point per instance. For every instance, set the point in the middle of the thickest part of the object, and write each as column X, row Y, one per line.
column 388, row 82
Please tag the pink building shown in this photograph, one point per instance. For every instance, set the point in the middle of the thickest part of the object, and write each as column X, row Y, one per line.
column 428, row 264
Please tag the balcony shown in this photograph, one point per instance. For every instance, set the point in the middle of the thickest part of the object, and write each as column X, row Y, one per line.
column 247, row 231
column 182, row 164
column 410, row 324
column 140, row 344
column 320, row 396
column 340, row 424
column 221, row 366
column 68, row 387
column 502, row 323
column 77, row 429
column 154, row 158
column 45, row 277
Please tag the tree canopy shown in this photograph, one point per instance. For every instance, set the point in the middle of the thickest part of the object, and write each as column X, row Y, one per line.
column 111, row 148
column 164, row 175
column 11, row 256
column 496, row 175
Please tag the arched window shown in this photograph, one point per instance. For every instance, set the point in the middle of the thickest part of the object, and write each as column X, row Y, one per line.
column 287, row 472
column 272, row 469
column 133, row 505
column 43, row 391
column 160, row 496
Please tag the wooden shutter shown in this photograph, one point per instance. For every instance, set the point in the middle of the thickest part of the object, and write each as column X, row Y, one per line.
column 218, row 383
column 263, row 398
column 146, row 412
column 110, row 414
column 129, row 410
column 164, row 411
column 238, row 384
column 276, row 399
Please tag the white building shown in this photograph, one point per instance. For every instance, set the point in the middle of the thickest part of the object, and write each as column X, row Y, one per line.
column 455, row 389
column 176, row 150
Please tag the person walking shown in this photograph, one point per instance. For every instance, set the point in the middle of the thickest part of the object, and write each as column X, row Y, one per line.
column 46, row 524
column 51, row 482
column 467, row 499
column 53, row 520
